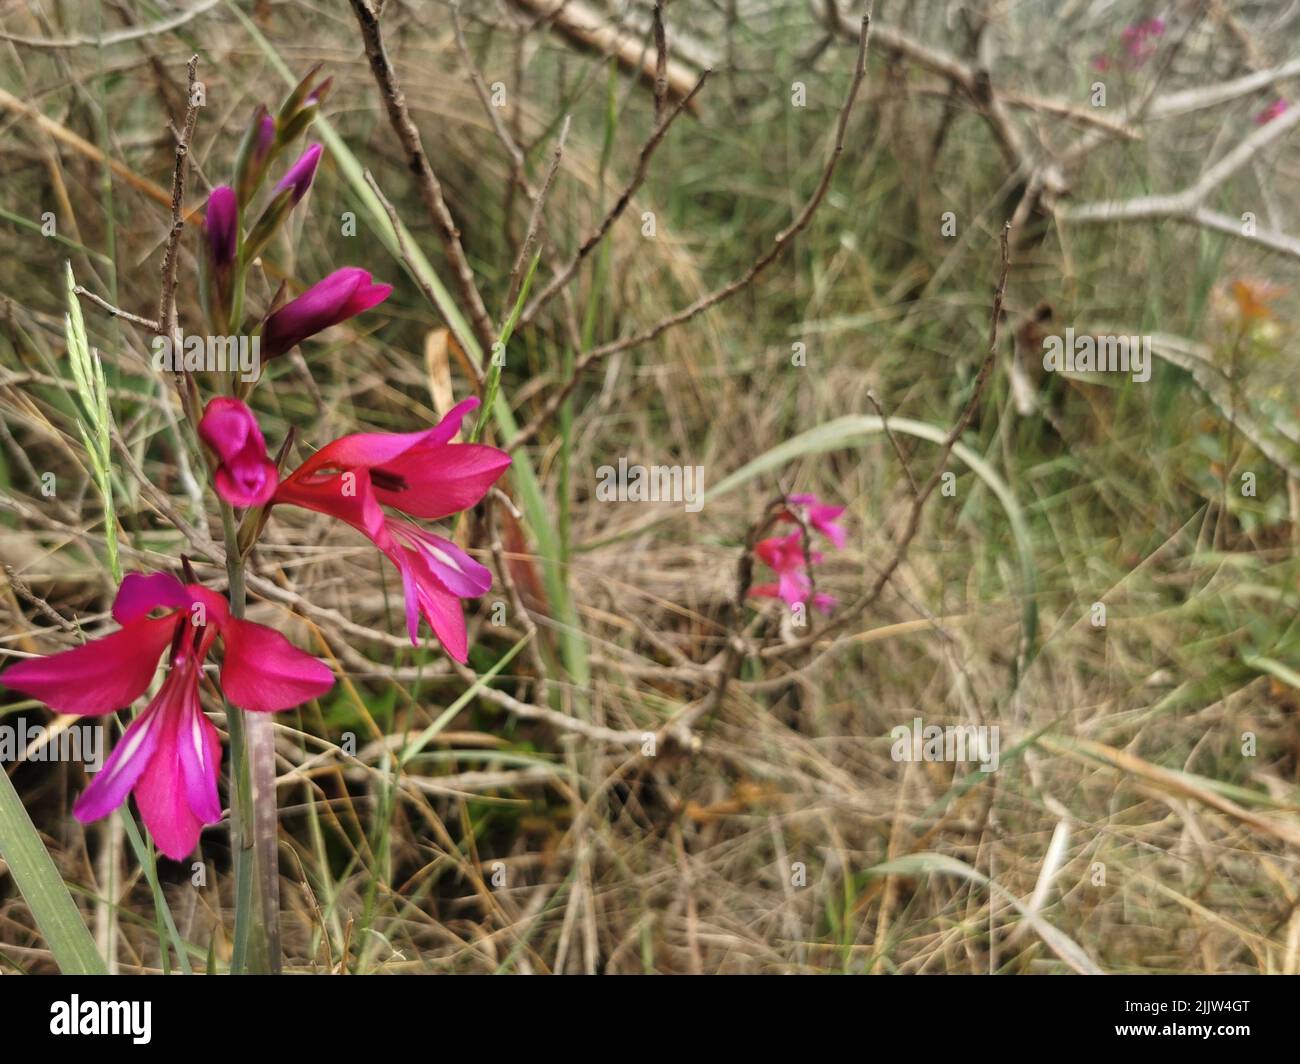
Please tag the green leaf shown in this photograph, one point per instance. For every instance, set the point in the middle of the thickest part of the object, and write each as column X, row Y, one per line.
column 44, row 891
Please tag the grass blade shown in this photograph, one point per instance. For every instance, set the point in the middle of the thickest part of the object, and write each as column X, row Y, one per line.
column 42, row 888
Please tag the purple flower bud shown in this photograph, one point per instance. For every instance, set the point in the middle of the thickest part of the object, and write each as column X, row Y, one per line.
column 221, row 222
column 299, row 175
column 265, row 134
column 343, row 294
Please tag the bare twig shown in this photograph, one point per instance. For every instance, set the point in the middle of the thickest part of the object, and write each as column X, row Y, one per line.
column 719, row 295
column 430, row 187
column 135, row 33
column 1189, row 205
column 167, row 301
column 564, row 275
column 475, row 370
column 893, row 440
column 661, row 61
column 118, row 312
column 534, row 220
column 584, row 27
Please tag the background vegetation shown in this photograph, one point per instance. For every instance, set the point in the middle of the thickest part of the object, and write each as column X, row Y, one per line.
column 771, row 831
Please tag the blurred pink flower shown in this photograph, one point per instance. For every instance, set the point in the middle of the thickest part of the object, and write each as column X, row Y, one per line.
column 1274, row 110
column 784, row 554
column 1139, row 39
column 819, row 515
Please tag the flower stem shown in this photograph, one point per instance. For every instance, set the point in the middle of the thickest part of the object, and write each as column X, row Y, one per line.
column 253, row 820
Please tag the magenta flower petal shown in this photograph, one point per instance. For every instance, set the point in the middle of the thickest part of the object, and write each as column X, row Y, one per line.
column 100, row 676
column 373, row 449
column 440, row 608
column 824, row 603
column 1274, row 110
column 112, row 783
column 265, row 134
column 161, row 791
column 435, row 483
column 247, row 483
column 300, row 175
column 228, row 426
column 343, row 294
column 264, row 672
column 140, row 593
column 446, row 429
column 820, row 516
column 792, row 587
column 246, row 476
column 199, row 748
column 422, row 474
column 455, row 570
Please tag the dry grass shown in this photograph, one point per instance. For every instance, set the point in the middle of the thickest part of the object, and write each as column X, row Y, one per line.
column 519, row 844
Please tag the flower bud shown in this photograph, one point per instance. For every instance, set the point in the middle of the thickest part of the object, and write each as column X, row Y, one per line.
column 343, row 294
column 245, row 476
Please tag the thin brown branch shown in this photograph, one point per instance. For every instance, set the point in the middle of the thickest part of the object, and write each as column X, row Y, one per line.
column 565, row 274
column 417, row 161
column 467, row 363
column 535, row 219
column 661, row 61
column 117, row 312
column 893, row 440
column 167, row 301
column 720, row 295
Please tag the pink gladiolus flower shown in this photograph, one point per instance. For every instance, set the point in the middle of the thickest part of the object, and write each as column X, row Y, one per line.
column 343, row 294
column 421, row 474
column 246, row 476
column 785, row 555
column 170, row 755
column 1138, row 39
column 819, row 516
column 300, row 175
column 1274, row 110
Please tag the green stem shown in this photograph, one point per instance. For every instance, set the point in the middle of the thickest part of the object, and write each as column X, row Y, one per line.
column 257, row 941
